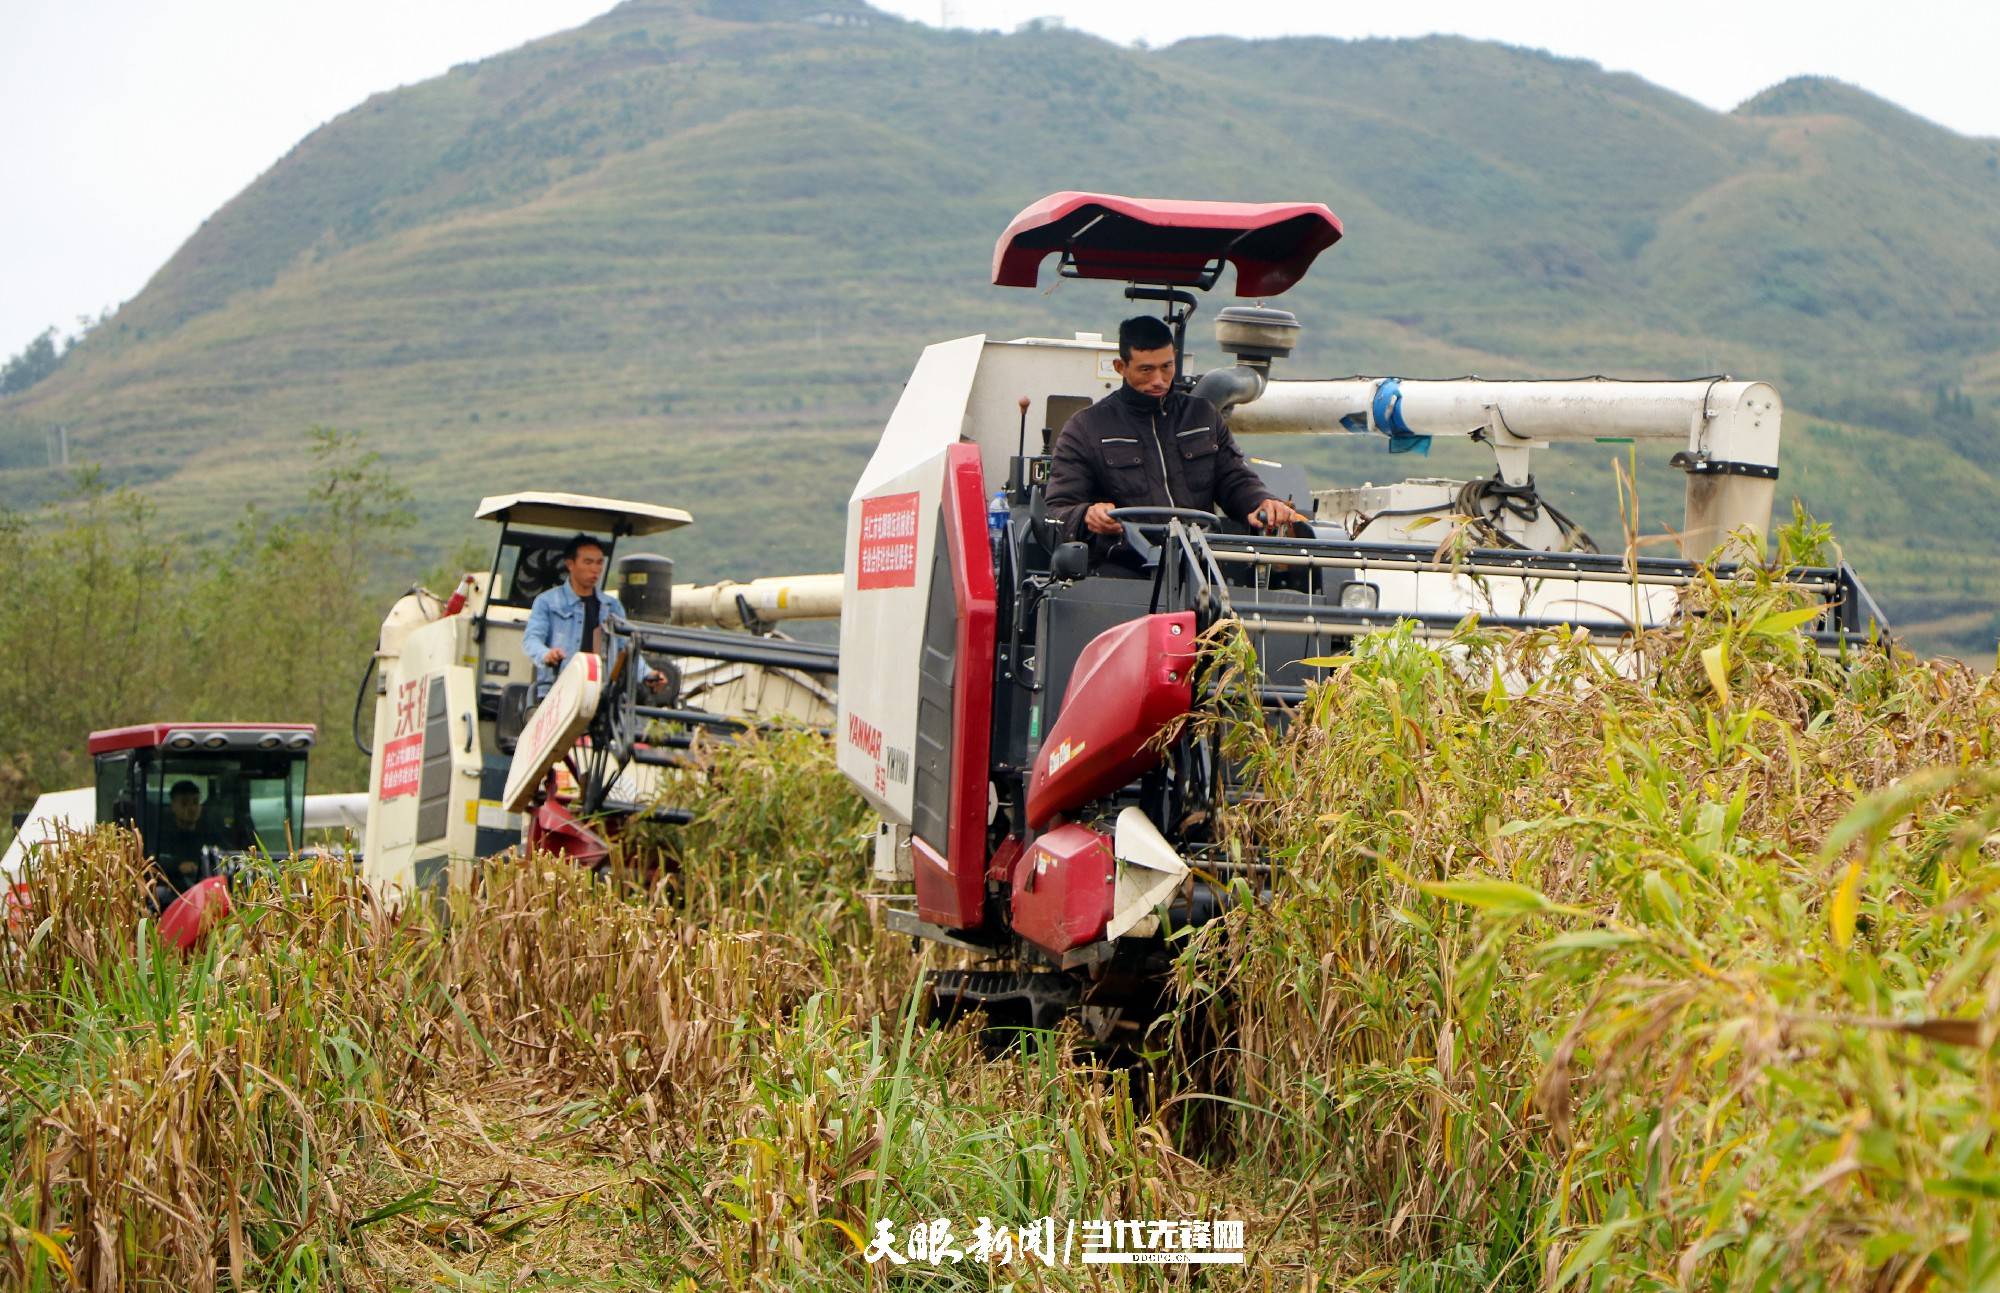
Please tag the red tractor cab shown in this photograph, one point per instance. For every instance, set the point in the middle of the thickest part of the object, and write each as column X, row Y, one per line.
column 202, row 794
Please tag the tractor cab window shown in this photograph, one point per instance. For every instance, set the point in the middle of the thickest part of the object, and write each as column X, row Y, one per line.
column 117, row 797
column 202, row 805
column 528, row 565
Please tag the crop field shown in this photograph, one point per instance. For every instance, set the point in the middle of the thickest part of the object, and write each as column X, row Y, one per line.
column 688, row 252
column 1684, row 975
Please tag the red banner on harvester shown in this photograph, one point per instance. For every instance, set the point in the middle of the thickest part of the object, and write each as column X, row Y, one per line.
column 888, row 556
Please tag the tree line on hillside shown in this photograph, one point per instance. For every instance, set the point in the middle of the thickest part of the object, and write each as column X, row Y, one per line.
column 37, row 360
column 104, row 621
column 1950, row 417
column 44, row 355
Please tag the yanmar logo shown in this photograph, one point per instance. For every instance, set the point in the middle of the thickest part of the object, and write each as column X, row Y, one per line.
column 864, row 736
column 887, row 557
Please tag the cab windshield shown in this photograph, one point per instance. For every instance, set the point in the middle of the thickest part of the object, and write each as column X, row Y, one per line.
column 231, row 803
column 529, row 563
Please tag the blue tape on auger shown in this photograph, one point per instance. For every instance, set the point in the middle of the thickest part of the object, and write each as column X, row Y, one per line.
column 1388, row 410
column 1389, row 417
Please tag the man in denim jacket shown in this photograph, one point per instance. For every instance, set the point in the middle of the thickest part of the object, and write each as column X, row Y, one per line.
column 565, row 619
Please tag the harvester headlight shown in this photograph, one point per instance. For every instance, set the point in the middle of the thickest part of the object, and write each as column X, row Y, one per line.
column 270, row 741
column 1359, row 595
column 181, row 742
column 215, row 741
column 301, row 741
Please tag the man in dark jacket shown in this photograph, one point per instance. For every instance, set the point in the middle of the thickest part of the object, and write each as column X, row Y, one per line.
column 1147, row 445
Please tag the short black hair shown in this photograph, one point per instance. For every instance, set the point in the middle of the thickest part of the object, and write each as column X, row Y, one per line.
column 179, row 786
column 579, row 542
column 1142, row 332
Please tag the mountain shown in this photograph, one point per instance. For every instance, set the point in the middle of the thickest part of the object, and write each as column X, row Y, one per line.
column 688, row 252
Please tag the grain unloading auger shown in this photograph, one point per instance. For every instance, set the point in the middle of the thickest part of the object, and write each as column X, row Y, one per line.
column 1003, row 703
column 467, row 762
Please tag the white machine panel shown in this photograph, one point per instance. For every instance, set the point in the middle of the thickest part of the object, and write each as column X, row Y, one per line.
column 967, row 389
column 425, row 767
column 557, row 723
column 892, row 534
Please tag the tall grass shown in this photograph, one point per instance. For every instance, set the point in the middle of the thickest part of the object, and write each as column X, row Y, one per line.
column 731, row 1054
column 1676, row 976
column 1683, row 979
column 190, row 1119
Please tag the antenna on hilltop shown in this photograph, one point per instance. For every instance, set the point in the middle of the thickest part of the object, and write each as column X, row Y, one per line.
column 949, row 14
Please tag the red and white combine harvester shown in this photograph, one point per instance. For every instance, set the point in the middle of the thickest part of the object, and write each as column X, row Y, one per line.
column 1003, row 702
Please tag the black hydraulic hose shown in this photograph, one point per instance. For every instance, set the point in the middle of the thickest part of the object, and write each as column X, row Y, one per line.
column 360, row 695
column 1485, row 500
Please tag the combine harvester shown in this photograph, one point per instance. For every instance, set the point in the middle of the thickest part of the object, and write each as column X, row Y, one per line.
column 464, row 764
column 1007, row 708
column 467, row 762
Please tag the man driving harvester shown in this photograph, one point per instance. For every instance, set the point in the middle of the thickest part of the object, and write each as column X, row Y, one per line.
column 568, row 618
column 1149, row 445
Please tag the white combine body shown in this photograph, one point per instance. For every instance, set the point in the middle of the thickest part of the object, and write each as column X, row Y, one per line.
column 468, row 761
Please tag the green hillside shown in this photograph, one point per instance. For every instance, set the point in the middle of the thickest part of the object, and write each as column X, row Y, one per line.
column 688, row 252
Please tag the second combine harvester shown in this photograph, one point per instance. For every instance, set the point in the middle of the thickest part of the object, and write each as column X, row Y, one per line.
column 1004, row 706
column 468, row 761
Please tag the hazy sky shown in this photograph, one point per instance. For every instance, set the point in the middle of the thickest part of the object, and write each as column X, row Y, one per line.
column 134, row 119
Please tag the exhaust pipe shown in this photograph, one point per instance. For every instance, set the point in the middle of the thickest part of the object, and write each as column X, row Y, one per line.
column 1227, row 387
column 1256, row 336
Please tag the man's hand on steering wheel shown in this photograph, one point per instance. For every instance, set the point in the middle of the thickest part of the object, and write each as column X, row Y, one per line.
column 1098, row 519
column 1274, row 514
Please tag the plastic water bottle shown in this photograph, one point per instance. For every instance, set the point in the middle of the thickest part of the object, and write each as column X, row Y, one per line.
column 996, row 518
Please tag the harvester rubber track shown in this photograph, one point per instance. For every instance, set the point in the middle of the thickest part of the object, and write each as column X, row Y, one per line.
column 1010, row 998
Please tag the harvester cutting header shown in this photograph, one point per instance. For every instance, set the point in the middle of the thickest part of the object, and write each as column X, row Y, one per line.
column 1015, row 652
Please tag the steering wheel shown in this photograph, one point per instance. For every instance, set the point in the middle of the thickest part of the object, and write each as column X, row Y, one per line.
column 1136, row 519
column 1131, row 516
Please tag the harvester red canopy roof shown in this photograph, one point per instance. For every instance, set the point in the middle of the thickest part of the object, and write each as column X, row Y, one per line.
column 1166, row 242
